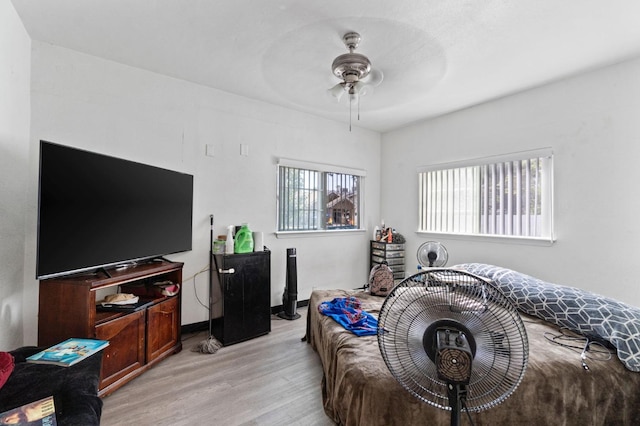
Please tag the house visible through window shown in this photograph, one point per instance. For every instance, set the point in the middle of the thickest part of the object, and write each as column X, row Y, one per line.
column 500, row 196
column 316, row 197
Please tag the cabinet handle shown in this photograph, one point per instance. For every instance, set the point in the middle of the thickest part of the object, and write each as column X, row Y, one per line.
column 227, row 271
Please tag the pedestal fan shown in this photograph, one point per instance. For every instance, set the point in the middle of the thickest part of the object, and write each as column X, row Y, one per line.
column 453, row 340
column 432, row 254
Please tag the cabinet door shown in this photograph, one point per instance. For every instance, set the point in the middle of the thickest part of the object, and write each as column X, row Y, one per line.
column 257, row 307
column 162, row 327
column 125, row 352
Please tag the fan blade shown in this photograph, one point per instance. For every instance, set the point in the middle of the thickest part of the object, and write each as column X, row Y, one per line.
column 337, row 91
column 375, row 77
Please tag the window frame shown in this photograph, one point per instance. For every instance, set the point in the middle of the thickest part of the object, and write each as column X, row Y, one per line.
column 323, row 170
column 547, row 189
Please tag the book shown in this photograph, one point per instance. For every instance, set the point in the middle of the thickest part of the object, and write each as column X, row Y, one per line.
column 41, row 412
column 69, row 352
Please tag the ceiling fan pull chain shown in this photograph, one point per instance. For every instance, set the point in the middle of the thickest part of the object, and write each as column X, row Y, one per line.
column 349, row 112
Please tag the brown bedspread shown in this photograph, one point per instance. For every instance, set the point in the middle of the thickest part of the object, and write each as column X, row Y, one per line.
column 358, row 389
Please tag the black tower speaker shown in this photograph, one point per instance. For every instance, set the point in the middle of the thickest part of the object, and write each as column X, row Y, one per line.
column 290, row 296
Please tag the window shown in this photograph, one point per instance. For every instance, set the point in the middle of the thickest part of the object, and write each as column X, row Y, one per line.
column 499, row 196
column 317, row 197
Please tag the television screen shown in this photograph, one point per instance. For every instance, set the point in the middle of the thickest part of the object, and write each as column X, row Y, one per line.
column 98, row 211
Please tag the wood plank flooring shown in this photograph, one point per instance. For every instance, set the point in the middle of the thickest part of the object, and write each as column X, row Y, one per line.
column 270, row 380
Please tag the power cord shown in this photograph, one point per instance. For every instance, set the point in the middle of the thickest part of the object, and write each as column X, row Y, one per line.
column 587, row 348
column 463, row 402
column 195, row 289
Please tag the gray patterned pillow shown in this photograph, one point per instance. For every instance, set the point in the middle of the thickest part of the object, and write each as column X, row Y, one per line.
column 592, row 315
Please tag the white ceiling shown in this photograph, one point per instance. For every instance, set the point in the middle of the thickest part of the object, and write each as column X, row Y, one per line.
column 437, row 56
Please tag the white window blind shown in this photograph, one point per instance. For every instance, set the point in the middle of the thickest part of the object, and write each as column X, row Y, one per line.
column 504, row 196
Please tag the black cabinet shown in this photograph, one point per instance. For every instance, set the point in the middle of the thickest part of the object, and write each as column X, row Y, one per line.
column 245, row 283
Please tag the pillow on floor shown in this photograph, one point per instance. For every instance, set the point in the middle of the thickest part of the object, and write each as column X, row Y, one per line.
column 592, row 315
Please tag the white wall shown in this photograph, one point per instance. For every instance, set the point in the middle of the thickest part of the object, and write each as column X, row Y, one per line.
column 102, row 106
column 15, row 57
column 591, row 122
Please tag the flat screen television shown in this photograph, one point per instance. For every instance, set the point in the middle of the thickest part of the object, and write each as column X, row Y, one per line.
column 97, row 211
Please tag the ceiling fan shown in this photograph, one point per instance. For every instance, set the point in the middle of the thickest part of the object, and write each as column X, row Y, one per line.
column 355, row 71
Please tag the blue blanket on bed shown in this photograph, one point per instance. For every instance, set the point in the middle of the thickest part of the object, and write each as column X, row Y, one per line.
column 347, row 312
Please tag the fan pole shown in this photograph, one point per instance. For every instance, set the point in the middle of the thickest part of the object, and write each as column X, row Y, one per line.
column 456, row 392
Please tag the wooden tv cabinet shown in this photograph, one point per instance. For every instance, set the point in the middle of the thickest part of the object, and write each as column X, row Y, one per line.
column 137, row 340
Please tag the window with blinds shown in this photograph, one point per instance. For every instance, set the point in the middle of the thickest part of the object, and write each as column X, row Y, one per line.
column 500, row 196
column 314, row 197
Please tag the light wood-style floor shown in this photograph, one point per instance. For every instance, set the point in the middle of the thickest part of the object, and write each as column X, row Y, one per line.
column 270, row 380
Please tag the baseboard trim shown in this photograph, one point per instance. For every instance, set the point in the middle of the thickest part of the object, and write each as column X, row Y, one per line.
column 280, row 308
column 203, row 326
column 194, row 327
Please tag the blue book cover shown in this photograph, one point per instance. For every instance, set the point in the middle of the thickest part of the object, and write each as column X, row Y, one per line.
column 69, row 352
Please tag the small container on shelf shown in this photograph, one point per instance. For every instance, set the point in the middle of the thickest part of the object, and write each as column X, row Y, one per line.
column 218, row 246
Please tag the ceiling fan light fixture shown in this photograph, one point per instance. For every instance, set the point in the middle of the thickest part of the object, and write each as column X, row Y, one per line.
column 361, row 88
column 352, row 68
column 337, row 91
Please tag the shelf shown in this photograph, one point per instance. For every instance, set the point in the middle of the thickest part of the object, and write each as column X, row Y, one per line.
column 391, row 253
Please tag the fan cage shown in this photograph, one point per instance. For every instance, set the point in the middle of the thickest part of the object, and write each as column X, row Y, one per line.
column 502, row 348
column 442, row 255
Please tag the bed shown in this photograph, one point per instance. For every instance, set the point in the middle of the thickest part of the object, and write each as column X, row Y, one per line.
column 358, row 389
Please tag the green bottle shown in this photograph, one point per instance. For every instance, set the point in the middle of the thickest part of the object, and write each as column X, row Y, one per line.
column 244, row 240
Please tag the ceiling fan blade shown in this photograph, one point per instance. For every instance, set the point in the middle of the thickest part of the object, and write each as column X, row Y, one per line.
column 375, row 77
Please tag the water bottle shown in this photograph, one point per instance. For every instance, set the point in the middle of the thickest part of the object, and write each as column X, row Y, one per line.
column 228, row 246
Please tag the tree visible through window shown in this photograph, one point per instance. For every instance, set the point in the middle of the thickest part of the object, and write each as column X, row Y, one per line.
column 314, row 200
column 508, row 197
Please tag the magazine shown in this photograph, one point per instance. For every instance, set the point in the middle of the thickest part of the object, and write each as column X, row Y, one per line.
column 69, row 352
column 40, row 412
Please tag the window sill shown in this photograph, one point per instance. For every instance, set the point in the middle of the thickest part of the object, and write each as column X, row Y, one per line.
column 506, row 239
column 322, row 233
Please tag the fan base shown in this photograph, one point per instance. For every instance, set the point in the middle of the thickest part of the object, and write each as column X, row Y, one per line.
column 286, row 316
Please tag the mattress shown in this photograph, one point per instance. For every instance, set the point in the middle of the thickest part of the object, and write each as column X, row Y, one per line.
column 358, row 389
